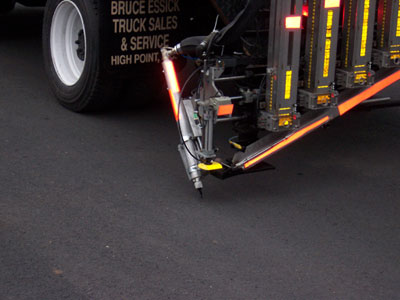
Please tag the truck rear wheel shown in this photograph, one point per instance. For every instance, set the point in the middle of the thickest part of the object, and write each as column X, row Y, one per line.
column 71, row 46
column 6, row 6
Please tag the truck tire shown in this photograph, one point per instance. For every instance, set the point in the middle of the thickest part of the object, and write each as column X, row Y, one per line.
column 71, row 50
column 6, row 6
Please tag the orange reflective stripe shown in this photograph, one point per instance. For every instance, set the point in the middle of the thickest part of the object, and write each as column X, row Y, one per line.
column 368, row 93
column 171, row 75
column 174, row 104
column 224, row 110
column 173, row 86
column 294, row 137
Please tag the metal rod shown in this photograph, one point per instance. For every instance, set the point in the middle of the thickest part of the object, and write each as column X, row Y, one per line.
column 230, row 119
column 237, row 98
column 377, row 100
column 237, row 77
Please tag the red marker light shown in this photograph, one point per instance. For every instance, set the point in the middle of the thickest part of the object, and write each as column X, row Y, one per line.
column 332, row 3
column 305, row 11
column 293, row 22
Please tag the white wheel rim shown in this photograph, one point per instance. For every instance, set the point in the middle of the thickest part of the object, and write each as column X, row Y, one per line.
column 66, row 25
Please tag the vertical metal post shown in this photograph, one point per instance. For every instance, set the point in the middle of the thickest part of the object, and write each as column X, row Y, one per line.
column 357, row 40
column 320, row 55
column 387, row 51
column 283, row 65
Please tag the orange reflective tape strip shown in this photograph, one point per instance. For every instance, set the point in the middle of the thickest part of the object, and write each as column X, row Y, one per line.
column 224, row 110
column 368, row 93
column 173, row 86
column 294, row 137
column 174, row 104
column 171, row 75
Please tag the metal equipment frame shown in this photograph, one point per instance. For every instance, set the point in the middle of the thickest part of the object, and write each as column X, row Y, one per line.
column 289, row 104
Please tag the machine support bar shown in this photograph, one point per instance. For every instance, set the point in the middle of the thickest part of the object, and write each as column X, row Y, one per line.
column 290, row 139
column 250, row 160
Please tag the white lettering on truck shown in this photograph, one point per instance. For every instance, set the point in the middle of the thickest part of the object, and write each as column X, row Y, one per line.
column 146, row 20
column 138, row 7
column 127, row 8
column 149, row 42
column 129, row 25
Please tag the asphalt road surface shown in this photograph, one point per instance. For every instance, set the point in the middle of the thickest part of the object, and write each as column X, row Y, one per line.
column 98, row 206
